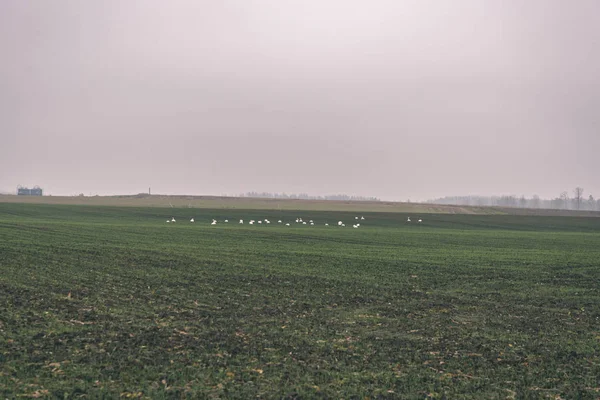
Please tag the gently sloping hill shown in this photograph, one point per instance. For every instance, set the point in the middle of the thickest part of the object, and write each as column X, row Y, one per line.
column 251, row 203
column 245, row 203
column 232, row 203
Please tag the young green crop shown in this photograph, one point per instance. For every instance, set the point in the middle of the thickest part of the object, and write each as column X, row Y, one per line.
column 110, row 301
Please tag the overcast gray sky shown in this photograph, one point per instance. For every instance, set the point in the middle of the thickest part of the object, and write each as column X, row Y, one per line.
column 390, row 98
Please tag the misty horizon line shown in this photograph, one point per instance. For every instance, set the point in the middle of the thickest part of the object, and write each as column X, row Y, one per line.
column 562, row 201
column 251, row 194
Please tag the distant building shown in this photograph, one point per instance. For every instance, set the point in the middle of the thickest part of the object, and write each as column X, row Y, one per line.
column 35, row 191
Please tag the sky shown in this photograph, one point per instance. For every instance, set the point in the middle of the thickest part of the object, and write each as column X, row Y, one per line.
column 397, row 99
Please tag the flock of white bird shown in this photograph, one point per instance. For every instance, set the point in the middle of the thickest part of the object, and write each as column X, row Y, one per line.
column 298, row 221
column 266, row 221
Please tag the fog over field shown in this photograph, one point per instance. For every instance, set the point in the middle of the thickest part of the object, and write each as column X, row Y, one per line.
column 392, row 99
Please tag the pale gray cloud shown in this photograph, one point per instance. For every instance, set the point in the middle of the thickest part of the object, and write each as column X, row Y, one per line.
column 395, row 99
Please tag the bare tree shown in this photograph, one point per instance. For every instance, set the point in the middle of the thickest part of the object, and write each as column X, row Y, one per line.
column 523, row 202
column 535, row 201
column 591, row 203
column 578, row 192
column 564, row 197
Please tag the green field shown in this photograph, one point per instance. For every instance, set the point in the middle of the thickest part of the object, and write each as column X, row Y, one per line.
column 100, row 301
column 291, row 205
column 249, row 203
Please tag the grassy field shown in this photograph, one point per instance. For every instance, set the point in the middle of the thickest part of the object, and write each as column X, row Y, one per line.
column 99, row 301
column 246, row 203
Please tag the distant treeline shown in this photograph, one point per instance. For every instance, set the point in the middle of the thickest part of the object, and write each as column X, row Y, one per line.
column 304, row 196
column 562, row 202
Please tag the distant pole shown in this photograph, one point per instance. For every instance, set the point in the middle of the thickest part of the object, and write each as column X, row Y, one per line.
column 148, row 191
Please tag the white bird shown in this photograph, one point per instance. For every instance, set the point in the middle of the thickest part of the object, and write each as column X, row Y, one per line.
column 362, row 218
column 300, row 219
column 343, row 224
column 420, row 220
column 168, row 221
column 312, row 223
column 251, row 222
column 355, row 217
column 279, row 221
column 340, row 223
column 287, row 224
column 260, row 222
column 408, row 220
column 192, row 220
column 226, row 220
column 326, row 224
column 213, row 222
column 172, row 219
column 267, row 221
column 355, row 226
column 241, row 221
column 297, row 220
column 304, row 223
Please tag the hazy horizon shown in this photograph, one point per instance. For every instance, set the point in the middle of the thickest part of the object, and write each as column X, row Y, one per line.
column 327, row 196
column 390, row 99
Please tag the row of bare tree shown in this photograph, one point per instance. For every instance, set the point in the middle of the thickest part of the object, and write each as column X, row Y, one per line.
column 305, row 196
column 563, row 202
